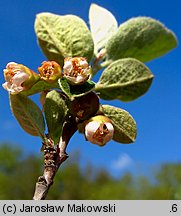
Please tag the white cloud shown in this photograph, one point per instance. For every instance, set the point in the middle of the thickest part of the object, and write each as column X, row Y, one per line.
column 123, row 161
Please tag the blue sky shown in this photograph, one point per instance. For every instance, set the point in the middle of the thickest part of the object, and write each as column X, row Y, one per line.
column 157, row 113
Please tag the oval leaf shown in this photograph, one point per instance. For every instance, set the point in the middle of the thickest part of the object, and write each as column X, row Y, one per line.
column 63, row 36
column 125, row 79
column 142, row 38
column 55, row 111
column 28, row 114
column 123, row 122
column 102, row 25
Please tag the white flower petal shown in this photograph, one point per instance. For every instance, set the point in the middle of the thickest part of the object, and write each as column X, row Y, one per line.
column 10, row 64
column 91, row 128
column 80, row 79
column 68, row 67
column 19, row 78
column 110, row 127
column 13, row 89
column 83, row 64
column 6, row 85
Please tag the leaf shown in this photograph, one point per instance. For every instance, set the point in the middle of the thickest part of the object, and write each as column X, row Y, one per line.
column 63, row 36
column 75, row 91
column 102, row 24
column 124, row 124
column 55, row 111
column 142, row 38
column 125, row 79
column 28, row 114
column 39, row 87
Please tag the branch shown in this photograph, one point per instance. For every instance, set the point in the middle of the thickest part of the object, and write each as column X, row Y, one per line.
column 54, row 156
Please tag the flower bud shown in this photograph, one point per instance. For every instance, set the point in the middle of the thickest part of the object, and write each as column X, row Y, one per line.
column 85, row 106
column 99, row 130
column 50, row 71
column 76, row 70
column 18, row 78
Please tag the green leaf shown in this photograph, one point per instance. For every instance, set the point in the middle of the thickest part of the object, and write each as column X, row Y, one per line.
column 63, row 36
column 102, row 24
column 142, row 38
column 77, row 90
column 28, row 114
column 124, row 124
column 125, row 80
column 39, row 87
column 55, row 111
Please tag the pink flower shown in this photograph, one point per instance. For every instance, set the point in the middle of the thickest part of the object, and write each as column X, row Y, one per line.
column 76, row 70
column 18, row 77
column 99, row 130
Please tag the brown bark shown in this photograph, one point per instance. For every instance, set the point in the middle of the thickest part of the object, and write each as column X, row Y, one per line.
column 54, row 156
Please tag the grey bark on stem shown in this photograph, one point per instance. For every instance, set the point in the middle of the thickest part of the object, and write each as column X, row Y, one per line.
column 54, row 156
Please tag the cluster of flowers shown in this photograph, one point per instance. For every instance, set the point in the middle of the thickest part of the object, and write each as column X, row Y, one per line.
column 19, row 78
column 98, row 129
